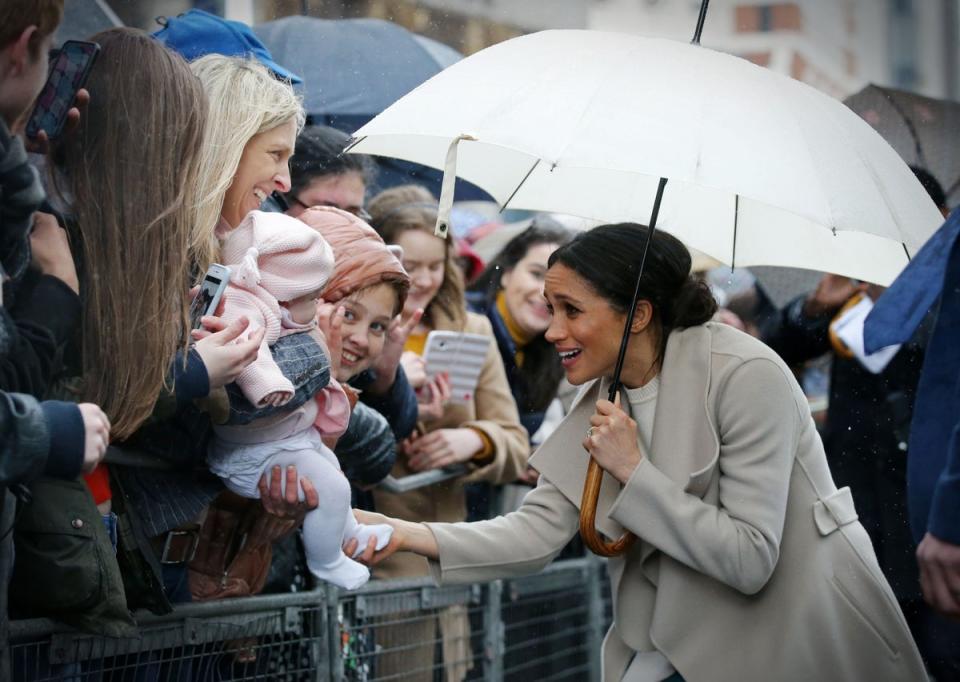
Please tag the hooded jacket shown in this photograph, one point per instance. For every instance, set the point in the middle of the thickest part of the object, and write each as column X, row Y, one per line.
column 272, row 259
column 363, row 260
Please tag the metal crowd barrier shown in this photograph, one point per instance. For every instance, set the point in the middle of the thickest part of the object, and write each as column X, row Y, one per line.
column 544, row 627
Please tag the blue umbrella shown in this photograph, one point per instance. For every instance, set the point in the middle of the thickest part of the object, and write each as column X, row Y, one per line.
column 353, row 69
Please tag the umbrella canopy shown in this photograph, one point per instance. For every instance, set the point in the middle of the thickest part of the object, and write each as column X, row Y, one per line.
column 762, row 169
column 83, row 18
column 353, row 68
column 923, row 130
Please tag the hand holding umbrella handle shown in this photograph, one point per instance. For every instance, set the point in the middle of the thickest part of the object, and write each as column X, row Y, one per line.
column 588, row 517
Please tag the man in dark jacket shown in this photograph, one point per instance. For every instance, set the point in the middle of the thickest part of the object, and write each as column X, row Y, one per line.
column 36, row 438
column 867, row 438
column 934, row 464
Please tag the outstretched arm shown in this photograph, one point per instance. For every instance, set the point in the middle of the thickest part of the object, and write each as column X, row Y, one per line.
column 520, row 543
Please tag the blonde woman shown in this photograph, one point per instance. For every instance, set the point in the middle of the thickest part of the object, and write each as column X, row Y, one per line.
column 248, row 141
column 248, row 137
column 485, row 434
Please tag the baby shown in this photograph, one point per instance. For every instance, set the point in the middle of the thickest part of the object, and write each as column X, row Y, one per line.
column 279, row 266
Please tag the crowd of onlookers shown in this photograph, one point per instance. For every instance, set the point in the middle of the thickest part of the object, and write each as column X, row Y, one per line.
column 147, row 463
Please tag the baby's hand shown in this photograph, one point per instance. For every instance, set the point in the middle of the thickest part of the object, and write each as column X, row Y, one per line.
column 276, row 399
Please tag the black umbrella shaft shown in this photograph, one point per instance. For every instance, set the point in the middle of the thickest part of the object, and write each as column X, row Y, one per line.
column 615, row 384
column 700, row 19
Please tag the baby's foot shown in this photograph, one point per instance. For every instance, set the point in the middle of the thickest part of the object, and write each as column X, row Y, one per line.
column 364, row 532
column 342, row 572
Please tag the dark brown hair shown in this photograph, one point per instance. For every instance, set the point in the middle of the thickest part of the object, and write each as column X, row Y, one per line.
column 608, row 259
column 131, row 171
column 17, row 15
column 541, row 370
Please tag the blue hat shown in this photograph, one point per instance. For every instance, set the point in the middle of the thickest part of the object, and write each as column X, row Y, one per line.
column 196, row 33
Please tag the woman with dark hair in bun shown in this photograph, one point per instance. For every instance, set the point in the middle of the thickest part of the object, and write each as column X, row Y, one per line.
column 749, row 564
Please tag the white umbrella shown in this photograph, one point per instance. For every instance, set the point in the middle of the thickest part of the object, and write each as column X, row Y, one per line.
column 762, row 169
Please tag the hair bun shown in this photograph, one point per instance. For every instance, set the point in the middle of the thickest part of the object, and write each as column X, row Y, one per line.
column 693, row 304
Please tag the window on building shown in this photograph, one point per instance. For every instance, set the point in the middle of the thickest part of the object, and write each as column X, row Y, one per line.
column 903, row 7
column 764, row 18
column 783, row 16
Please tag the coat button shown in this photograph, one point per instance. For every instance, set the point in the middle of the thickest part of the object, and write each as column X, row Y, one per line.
column 77, row 523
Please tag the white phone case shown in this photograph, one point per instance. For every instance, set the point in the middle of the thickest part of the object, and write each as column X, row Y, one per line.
column 462, row 356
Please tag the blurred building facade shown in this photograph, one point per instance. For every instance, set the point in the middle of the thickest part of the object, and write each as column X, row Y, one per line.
column 837, row 46
column 465, row 25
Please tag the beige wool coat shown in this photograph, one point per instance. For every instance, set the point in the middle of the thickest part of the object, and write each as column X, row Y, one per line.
column 494, row 412
column 750, row 564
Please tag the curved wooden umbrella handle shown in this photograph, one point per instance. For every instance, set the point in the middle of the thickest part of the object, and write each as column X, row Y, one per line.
column 588, row 517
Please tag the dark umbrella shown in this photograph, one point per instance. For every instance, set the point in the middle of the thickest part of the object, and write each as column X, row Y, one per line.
column 83, row 18
column 355, row 68
column 922, row 129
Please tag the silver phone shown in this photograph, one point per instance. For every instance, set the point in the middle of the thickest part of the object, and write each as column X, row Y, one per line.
column 211, row 291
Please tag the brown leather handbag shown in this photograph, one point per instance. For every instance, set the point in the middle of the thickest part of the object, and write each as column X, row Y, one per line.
column 227, row 563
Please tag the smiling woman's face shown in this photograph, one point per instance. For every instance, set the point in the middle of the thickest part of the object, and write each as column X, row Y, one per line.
column 263, row 168
column 523, row 290
column 424, row 256
column 585, row 328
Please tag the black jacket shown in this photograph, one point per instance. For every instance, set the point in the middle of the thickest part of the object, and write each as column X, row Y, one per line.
column 37, row 319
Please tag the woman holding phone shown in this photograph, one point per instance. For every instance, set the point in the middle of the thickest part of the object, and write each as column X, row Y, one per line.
column 130, row 350
column 485, row 434
column 749, row 563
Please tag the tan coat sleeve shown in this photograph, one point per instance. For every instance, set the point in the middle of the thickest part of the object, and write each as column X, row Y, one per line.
column 497, row 415
column 737, row 540
column 520, row 543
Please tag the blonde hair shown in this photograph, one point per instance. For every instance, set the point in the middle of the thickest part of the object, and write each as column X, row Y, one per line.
column 412, row 207
column 246, row 99
column 131, row 169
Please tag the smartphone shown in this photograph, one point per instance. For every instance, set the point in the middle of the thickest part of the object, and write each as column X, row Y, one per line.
column 211, row 291
column 69, row 69
column 459, row 354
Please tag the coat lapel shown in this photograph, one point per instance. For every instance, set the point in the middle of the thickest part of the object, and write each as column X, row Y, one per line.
column 684, row 444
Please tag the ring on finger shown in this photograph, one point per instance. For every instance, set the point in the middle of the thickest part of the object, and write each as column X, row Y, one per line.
column 590, row 432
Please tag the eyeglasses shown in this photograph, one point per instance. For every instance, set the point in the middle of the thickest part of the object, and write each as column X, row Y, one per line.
column 358, row 211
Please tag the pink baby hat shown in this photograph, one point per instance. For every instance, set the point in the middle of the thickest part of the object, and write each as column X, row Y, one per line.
column 280, row 254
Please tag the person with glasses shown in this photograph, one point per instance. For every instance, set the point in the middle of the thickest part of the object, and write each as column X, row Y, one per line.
column 321, row 175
